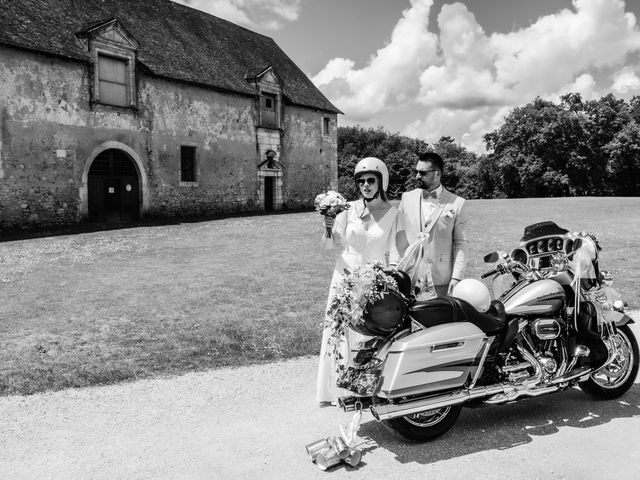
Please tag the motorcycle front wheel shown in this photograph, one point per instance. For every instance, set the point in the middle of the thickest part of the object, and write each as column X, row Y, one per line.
column 613, row 380
column 425, row 426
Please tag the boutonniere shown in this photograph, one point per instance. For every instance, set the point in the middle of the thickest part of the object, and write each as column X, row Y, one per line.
column 449, row 213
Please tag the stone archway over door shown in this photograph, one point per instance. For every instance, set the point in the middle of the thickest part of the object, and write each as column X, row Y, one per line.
column 113, row 188
column 270, row 193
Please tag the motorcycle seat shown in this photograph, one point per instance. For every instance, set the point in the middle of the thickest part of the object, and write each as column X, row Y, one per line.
column 492, row 322
column 438, row 311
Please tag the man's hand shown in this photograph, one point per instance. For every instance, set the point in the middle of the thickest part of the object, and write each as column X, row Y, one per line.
column 452, row 283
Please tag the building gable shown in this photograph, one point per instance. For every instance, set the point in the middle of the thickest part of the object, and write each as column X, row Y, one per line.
column 111, row 33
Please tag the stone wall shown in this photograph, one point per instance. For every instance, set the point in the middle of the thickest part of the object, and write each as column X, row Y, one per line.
column 50, row 133
column 310, row 158
column 47, row 131
column 221, row 127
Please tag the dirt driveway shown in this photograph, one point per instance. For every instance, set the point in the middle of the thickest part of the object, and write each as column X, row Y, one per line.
column 254, row 422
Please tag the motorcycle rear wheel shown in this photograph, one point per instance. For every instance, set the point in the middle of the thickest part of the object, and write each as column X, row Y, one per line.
column 425, row 426
column 613, row 380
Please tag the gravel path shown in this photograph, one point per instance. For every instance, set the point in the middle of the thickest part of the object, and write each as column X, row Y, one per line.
column 226, row 423
column 254, row 422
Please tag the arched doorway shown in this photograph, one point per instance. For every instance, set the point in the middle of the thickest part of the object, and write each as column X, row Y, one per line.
column 113, row 188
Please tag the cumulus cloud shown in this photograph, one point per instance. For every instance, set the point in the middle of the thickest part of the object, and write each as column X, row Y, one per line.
column 468, row 80
column 269, row 14
column 584, row 84
column 391, row 76
column 626, row 81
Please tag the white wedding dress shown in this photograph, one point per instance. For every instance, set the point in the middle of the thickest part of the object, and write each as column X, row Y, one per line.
column 361, row 239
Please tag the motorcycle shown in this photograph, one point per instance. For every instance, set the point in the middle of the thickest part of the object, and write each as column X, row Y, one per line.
column 556, row 323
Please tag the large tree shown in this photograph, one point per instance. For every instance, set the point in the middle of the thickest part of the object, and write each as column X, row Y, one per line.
column 549, row 149
column 623, row 164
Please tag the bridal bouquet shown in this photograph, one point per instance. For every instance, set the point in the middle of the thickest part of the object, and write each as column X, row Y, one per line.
column 330, row 204
column 365, row 285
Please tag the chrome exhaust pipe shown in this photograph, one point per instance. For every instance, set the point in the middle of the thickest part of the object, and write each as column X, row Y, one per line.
column 581, row 351
column 388, row 411
column 567, row 377
column 521, row 392
column 352, row 404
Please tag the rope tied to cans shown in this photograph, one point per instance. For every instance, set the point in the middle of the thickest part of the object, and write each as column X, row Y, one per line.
column 331, row 451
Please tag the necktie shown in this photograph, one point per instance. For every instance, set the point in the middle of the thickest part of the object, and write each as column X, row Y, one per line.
column 433, row 194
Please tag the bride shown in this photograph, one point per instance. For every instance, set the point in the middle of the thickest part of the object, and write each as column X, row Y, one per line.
column 365, row 232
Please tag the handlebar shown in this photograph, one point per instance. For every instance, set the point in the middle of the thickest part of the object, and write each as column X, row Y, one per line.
column 511, row 266
column 488, row 274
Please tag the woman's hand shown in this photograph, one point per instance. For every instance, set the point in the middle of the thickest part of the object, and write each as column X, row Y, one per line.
column 328, row 221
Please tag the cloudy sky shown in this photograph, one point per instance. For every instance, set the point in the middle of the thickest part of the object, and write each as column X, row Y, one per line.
column 427, row 68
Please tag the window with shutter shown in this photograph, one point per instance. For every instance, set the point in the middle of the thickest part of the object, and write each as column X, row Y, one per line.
column 268, row 111
column 112, row 80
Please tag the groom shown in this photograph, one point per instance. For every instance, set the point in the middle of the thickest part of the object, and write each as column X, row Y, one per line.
column 439, row 214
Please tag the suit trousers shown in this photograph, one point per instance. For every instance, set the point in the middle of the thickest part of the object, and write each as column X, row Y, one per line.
column 441, row 290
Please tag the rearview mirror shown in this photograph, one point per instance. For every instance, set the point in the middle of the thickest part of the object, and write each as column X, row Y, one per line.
column 491, row 257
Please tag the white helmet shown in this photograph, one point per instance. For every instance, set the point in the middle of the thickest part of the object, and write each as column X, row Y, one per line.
column 373, row 165
column 473, row 291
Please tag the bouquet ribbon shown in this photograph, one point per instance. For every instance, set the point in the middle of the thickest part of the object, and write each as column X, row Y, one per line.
column 414, row 263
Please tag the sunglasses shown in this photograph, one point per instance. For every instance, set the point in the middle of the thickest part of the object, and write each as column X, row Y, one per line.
column 368, row 181
column 422, row 173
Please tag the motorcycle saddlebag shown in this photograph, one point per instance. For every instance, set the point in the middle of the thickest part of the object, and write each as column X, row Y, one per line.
column 438, row 358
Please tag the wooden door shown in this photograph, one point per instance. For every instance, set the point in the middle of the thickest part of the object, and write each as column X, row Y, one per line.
column 114, row 193
column 268, row 194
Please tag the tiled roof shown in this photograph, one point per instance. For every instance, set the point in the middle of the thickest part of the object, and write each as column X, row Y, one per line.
column 175, row 41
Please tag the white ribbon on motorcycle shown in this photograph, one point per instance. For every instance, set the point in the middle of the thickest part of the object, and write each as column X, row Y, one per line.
column 415, row 264
column 350, row 433
column 582, row 267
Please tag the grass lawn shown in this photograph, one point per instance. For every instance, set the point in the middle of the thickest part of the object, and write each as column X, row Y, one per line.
column 102, row 307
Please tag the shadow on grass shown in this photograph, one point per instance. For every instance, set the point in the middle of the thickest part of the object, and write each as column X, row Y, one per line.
column 502, row 427
column 9, row 235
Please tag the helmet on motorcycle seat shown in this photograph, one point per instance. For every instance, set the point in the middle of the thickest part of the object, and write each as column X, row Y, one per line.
column 373, row 165
column 383, row 316
column 403, row 280
column 474, row 292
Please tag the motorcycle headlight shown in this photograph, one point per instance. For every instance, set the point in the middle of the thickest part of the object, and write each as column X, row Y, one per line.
column 618, row 305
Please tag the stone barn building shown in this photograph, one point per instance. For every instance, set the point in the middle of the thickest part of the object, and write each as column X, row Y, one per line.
column 114, row 110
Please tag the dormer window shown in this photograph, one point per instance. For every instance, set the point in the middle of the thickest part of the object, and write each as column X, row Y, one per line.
column 268, row 111
column 113, row 51
column 112, row 81
column 269, row 88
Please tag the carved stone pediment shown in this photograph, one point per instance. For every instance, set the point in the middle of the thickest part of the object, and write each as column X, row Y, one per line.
column 270, row 78
column 264, row 76
column 110, row 33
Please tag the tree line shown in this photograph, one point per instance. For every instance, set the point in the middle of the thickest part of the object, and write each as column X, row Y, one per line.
column 572, row 147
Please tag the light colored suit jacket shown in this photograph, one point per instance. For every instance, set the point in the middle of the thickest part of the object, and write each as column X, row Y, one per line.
column 447, row 245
